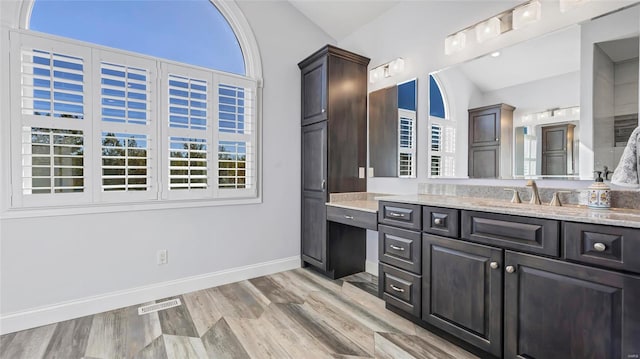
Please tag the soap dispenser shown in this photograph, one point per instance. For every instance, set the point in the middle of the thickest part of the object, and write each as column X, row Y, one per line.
column 599, row 194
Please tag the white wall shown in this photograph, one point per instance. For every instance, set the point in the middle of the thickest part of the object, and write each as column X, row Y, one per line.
column 415, row 30
column 49, row 260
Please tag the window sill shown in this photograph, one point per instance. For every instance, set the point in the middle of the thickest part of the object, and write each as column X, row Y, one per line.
column 15, row 213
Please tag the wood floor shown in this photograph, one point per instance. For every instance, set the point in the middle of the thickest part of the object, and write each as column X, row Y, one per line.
column 293, row 314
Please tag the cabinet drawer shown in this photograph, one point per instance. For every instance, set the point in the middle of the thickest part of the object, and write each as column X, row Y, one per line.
column 352, row 217
column 608, row 246
column 400, row 248
column 534, row 235
column 400, row 289
column 400, row 215
column 440, row 221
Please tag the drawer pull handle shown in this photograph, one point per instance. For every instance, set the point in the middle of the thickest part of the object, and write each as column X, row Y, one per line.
column 396, row 288
column 494, row 265
column 510, row 269
column 396, row 247
column 600, row 247
column 348, row 217
column 394, row 214
column 437, row 221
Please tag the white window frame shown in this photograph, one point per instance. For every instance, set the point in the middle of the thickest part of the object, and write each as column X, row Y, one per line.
column 93, row 127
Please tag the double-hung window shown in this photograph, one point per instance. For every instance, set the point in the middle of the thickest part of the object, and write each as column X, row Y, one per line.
column 94, row 125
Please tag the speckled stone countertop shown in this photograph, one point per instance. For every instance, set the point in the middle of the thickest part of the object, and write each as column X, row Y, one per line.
column 615, row 217
column 359, row 201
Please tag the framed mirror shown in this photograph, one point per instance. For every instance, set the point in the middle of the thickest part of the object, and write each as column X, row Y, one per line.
column 392, row 131
column 562, row 105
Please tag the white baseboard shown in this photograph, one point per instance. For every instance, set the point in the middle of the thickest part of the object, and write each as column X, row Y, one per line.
column 371, row 267
column 36, row 317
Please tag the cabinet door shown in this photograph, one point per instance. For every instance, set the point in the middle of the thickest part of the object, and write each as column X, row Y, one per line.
column 314, row 92
column 314, row 229
column 484, row 162
column 554, row 163
column 554, row 150
column 314, row 157
column 484, row 127
column 560, row 310
column 314, row 194
column 383, row 132
column 462, row 291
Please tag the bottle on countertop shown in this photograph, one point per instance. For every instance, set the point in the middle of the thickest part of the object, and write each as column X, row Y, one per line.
column 599, row 194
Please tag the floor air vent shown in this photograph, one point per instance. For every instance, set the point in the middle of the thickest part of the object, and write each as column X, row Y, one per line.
column 159, row 306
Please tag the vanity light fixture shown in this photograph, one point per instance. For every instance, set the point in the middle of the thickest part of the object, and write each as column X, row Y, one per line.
column 389, row 69
column 511, row 19
column 526, row 14
column 488, row 29
column 556, row 113
column 455, row 42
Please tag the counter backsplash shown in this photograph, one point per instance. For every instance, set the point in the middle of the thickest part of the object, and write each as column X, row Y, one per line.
column 619, row 198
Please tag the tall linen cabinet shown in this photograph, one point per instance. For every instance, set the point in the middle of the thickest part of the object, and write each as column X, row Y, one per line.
column 334, row 154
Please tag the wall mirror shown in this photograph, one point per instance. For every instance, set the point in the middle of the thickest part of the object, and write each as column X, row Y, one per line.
column 392, row 131
column 556, row 106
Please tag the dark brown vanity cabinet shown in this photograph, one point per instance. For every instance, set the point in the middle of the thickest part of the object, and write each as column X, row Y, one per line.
column 400, row 256
column 462, row 290
column 490, row 137
column 557, row 150
column 505, row 283
column 334, row 152
column 555, row 309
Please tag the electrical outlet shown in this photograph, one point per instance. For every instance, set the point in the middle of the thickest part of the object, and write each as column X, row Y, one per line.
column 162, row 256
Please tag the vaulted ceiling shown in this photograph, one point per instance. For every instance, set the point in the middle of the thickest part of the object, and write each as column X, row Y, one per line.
column 340, row 18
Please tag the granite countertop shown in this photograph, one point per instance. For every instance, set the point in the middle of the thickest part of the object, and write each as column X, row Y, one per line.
column 359, row 201
column 359, row 205
column 615, row 216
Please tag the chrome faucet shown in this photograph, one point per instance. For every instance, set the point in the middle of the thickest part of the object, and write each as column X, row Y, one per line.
column 535, row 196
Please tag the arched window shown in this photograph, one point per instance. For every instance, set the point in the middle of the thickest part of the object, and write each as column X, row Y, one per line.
column 192, row 32
column 436, row 102
column 442, row 147
column 131, row 101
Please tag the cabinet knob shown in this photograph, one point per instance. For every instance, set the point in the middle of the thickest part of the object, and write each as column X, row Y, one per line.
column 600, row 247
column 323, row 110
column 494, row 265
column 437, row 221
column 497, row 139
column 510, row 269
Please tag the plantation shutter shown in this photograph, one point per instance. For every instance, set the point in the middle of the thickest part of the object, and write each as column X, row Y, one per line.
column 442, row 148
column 126, row 127
column 51, row 131
column 237, row 136
column 406, row 143
column 187, row 131
column 93, row 125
